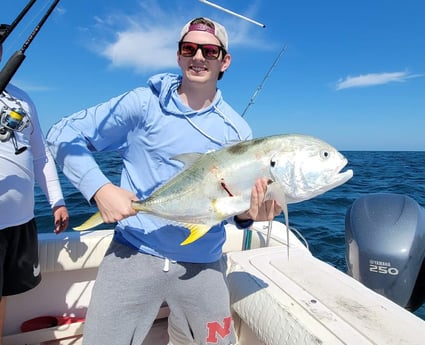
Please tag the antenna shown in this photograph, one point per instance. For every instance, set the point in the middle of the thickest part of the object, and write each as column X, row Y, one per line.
column 232, row 13
column 257, row 91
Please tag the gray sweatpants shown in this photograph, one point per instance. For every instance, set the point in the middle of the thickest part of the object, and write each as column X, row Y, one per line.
column 130, row 288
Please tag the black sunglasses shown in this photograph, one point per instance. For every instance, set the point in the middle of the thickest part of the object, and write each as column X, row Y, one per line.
column 209, row 51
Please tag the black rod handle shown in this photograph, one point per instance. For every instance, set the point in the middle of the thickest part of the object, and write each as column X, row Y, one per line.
column 10, row 69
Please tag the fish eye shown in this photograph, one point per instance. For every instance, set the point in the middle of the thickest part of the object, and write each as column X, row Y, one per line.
column 325, row 154
column 272, row 163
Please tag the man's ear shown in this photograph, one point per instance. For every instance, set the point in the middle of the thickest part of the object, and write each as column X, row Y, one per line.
column 226, row 62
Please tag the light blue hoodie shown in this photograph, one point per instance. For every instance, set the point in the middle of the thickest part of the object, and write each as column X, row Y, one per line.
column 148, row 126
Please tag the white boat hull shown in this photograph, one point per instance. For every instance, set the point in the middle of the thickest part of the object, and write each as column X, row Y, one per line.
column 276, row 301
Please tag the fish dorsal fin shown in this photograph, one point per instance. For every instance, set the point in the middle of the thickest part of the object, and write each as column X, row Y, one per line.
column 231, row 142
column 188, row 159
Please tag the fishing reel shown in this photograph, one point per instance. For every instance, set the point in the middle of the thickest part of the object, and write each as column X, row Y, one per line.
column 13, row 120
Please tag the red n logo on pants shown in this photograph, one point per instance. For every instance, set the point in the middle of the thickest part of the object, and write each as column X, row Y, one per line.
column 215, row 328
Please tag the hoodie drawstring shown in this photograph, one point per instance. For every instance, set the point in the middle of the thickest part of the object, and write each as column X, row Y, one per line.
column 224, row 117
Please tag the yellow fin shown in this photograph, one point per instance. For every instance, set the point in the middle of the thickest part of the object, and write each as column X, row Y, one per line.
column 93, row 221
column 196, row 232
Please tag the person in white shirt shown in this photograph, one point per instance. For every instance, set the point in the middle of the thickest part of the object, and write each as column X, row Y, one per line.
column 24, row 160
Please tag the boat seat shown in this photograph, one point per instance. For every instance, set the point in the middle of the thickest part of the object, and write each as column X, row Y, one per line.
column 69, row 263
column 73, row 250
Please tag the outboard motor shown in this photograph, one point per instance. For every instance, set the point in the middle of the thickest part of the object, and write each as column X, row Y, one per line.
column 385, row 247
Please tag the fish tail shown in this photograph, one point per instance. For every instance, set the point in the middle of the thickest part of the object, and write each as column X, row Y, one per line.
column 93, row 221
column 196, row 232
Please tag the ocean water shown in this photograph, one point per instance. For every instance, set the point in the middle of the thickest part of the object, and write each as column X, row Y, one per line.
column 321, row 220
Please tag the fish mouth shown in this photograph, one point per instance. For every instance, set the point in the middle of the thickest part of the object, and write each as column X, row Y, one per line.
column 342, row 176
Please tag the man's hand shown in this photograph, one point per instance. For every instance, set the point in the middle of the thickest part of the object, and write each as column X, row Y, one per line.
column 114, row 203
column 61, row 218
column 261, row 210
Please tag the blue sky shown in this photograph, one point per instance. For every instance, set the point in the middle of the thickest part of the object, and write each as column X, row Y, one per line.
column 352, row 73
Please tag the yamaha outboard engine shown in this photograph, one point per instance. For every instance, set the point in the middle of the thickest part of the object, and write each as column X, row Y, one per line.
column 385, row 246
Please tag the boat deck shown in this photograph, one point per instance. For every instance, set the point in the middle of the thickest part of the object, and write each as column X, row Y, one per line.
column 276, row 301
column 69, row 263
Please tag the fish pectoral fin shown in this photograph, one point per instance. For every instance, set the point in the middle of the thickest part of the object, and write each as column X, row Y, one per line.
column 93, row 221
column 275, row 192
column 196, row 232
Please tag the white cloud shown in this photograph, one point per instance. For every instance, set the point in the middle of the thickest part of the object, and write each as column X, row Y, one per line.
column 60, row 10
column 146, row 40
column 371, row 79
column 142, row 50
column 30, row 87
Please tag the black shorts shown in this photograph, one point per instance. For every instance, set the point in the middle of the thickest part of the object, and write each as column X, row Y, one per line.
column 19, row 266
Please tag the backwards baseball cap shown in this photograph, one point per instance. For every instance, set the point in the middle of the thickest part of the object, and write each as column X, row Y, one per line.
column 208, row 25
column 3, row 31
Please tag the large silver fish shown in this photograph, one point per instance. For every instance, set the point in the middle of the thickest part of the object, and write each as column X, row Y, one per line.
column 217, row 185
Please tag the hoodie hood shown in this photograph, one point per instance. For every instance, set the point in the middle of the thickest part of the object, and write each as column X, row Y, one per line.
column 165, row 86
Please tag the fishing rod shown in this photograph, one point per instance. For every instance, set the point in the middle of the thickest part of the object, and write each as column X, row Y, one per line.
column 16, row 59
column 257, row 91
column 16, row 21
column 247, row 238
column 16, row 119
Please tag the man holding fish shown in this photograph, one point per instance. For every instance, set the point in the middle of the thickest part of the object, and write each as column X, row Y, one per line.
column 146, row 265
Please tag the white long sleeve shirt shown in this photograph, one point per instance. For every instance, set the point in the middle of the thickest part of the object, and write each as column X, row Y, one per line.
column 18, row 172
